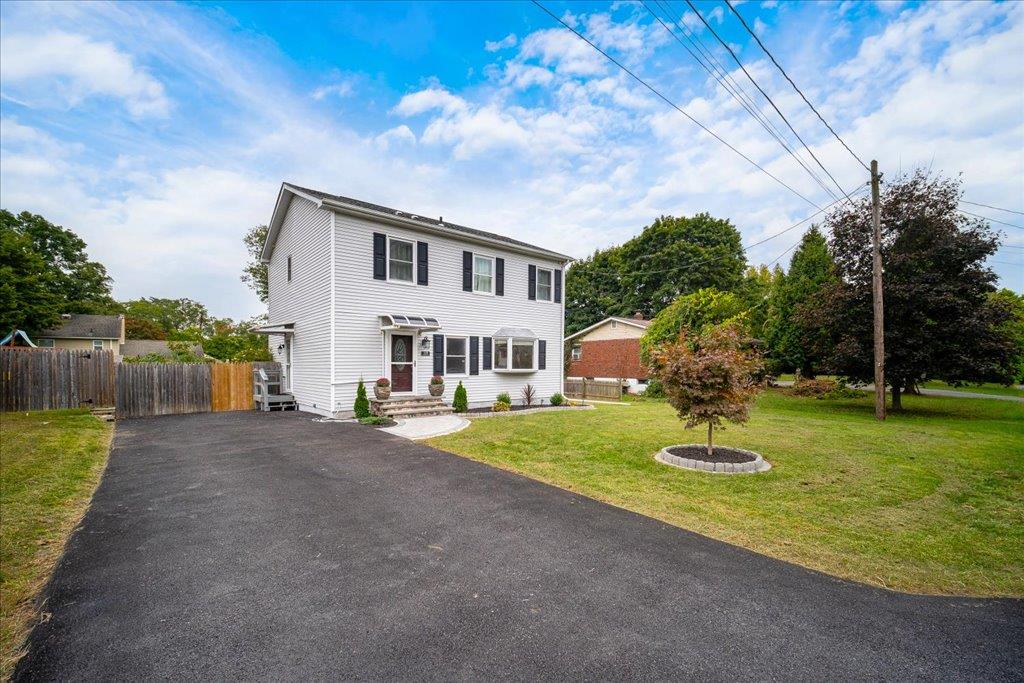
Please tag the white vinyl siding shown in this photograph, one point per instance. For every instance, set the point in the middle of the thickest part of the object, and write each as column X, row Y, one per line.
column 304, row 300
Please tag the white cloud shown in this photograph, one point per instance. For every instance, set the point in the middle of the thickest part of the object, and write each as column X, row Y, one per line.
column 717, row 15
column 397, row 135
column 496, row 45
column 73, row 68
column 341, row 89
column 429, row 99
column 561, row 49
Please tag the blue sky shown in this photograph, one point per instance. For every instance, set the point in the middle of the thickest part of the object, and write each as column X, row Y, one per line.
column 160, row 132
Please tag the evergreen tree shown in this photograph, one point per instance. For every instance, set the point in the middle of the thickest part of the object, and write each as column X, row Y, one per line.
column 362, row 405
column 792, row 345
column 460, row 402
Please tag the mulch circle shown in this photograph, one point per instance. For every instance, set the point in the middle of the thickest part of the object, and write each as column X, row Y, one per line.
column 720, row 454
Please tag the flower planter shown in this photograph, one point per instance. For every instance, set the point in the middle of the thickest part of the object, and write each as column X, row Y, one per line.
column 436, row 389
column 382, row 393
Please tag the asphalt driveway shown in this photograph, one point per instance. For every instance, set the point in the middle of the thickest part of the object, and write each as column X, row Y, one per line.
column 270, row 546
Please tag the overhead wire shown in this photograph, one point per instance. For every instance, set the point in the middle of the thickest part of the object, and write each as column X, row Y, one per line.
column 798, row 90
column 992, row 220
column 671, row 103
column 989, row 206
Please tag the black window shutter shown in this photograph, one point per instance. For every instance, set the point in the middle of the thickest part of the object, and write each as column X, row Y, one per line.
column 499, row 277
column 439, row 354
column 531, row 285
column 380, row 265
column 467, row 271
column 421, row 263
column 558, row 286
column 474, row 355
column 487, row 353
column 542, row 354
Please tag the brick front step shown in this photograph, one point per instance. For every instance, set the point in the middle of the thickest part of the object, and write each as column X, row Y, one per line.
column 414, row 406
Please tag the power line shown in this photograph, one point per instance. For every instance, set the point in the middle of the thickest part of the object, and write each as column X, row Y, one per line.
column 991, row 220
column 671, row 103
column 1007, row 263
column 989, row 206
column 1010, row 246
column 761, row 90
column 800, row 92
column 748, row 106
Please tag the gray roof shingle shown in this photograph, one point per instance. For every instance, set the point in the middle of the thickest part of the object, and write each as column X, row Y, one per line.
column 143, row 347
column 421, row 218
column 85, row 326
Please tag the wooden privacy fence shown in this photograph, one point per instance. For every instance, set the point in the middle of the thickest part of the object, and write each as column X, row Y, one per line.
column 145, row 389
column 50, row 379
column 590, row 388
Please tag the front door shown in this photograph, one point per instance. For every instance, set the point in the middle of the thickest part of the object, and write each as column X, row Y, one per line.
column 401, row 362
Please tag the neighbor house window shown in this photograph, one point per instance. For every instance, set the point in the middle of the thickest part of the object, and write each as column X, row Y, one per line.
column 46, row 343
column 577, row 351
column 399, row 260
column 455, row 355
column 289, row 269
column 514, row 354
column 483, row 274
column 97, row 344
column 544, row 278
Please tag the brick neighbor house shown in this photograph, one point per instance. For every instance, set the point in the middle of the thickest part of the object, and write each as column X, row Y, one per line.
column 609, row 350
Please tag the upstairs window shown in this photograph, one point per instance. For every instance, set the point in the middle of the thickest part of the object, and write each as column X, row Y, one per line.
column 400, row 255
column 483, row 274
column 544, row 280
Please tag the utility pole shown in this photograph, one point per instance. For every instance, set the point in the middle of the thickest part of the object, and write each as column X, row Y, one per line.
column 876, row 294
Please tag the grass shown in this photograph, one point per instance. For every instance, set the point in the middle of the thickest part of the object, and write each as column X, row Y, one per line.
column 986, row 388
column 50, row 464
column 929, row 501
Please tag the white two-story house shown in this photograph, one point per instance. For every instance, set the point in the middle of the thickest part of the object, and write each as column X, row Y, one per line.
column 358, row 290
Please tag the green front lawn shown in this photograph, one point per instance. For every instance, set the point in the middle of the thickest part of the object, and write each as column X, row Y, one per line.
column 50, row 463
column 997, row 389
column 930, row 501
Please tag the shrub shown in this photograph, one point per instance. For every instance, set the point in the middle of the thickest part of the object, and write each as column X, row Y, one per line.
column 362, row 405
column 460, row 402
column 383, row 382
column 655, row 389
column 375, row 420
column 708, row 377
column 437, row 379
column 693, row 313
column 503, row 397
column 500, row 407
column 822, row 389
column 529, row 394
column 557, row 399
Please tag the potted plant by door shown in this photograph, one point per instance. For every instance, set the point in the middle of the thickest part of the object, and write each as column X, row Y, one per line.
column 382, row 389
column 436, row 386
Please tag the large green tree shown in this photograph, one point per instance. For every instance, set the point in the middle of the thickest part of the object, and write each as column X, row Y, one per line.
column 940, row 322
column 79, row 284
column 693, row 314
column 254, row 273
column 756, row 290
column 176, row 317
column 671, row 257
column 26, row 300
column 791, row 344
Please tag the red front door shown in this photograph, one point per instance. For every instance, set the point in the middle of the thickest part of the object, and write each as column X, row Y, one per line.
column 401, row 362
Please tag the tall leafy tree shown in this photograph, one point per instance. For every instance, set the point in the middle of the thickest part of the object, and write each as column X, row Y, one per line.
column 940, row 322
column 792, row 344
column 692, row 314
column 176, row 317
column 670, row 257
column 254, row 273
column 26, row 300
column 79, row 284
column 756, row 290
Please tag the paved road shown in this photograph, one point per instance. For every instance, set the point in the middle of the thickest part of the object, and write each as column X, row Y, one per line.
column 269, row 546
column 951, row 393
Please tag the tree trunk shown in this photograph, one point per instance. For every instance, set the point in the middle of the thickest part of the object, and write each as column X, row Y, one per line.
column 807, row 371
column 897, row 397
column 711, row 447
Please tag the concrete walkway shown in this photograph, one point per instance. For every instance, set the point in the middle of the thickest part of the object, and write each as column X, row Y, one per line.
column 417, row 428
column 949, row 393
column 243, row 546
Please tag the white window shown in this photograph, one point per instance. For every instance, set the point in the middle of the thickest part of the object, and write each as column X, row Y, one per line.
column 577, row 351
column 45, row 343
column 483, row 274
column 544, row 279
column 97, row 344
column 400, row 260
column 515, row 355
column 455, row 355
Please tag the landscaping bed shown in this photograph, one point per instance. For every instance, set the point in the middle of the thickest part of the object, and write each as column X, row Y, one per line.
column 52, row 462
column 928, row 501
column 721, row 454
column 487, row 412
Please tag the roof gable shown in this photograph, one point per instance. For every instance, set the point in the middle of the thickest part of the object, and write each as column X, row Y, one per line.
column 634, row 322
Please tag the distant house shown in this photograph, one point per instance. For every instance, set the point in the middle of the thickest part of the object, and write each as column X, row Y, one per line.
column 133, row 348
column 79, row 331
column 609, row 350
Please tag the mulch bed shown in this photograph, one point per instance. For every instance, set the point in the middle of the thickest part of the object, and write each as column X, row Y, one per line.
column 721, row 454
column 514, row 408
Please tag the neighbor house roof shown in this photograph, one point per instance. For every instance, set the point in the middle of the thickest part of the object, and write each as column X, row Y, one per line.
column 84, row 326
column 363, row 209
column 635, row 322
column 144, row 347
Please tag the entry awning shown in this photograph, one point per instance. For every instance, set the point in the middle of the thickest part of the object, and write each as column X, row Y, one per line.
column 514, row 333
column 394, row 321
column 276, row 328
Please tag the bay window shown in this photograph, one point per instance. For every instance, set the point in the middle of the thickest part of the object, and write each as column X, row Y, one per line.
column 515, row 355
